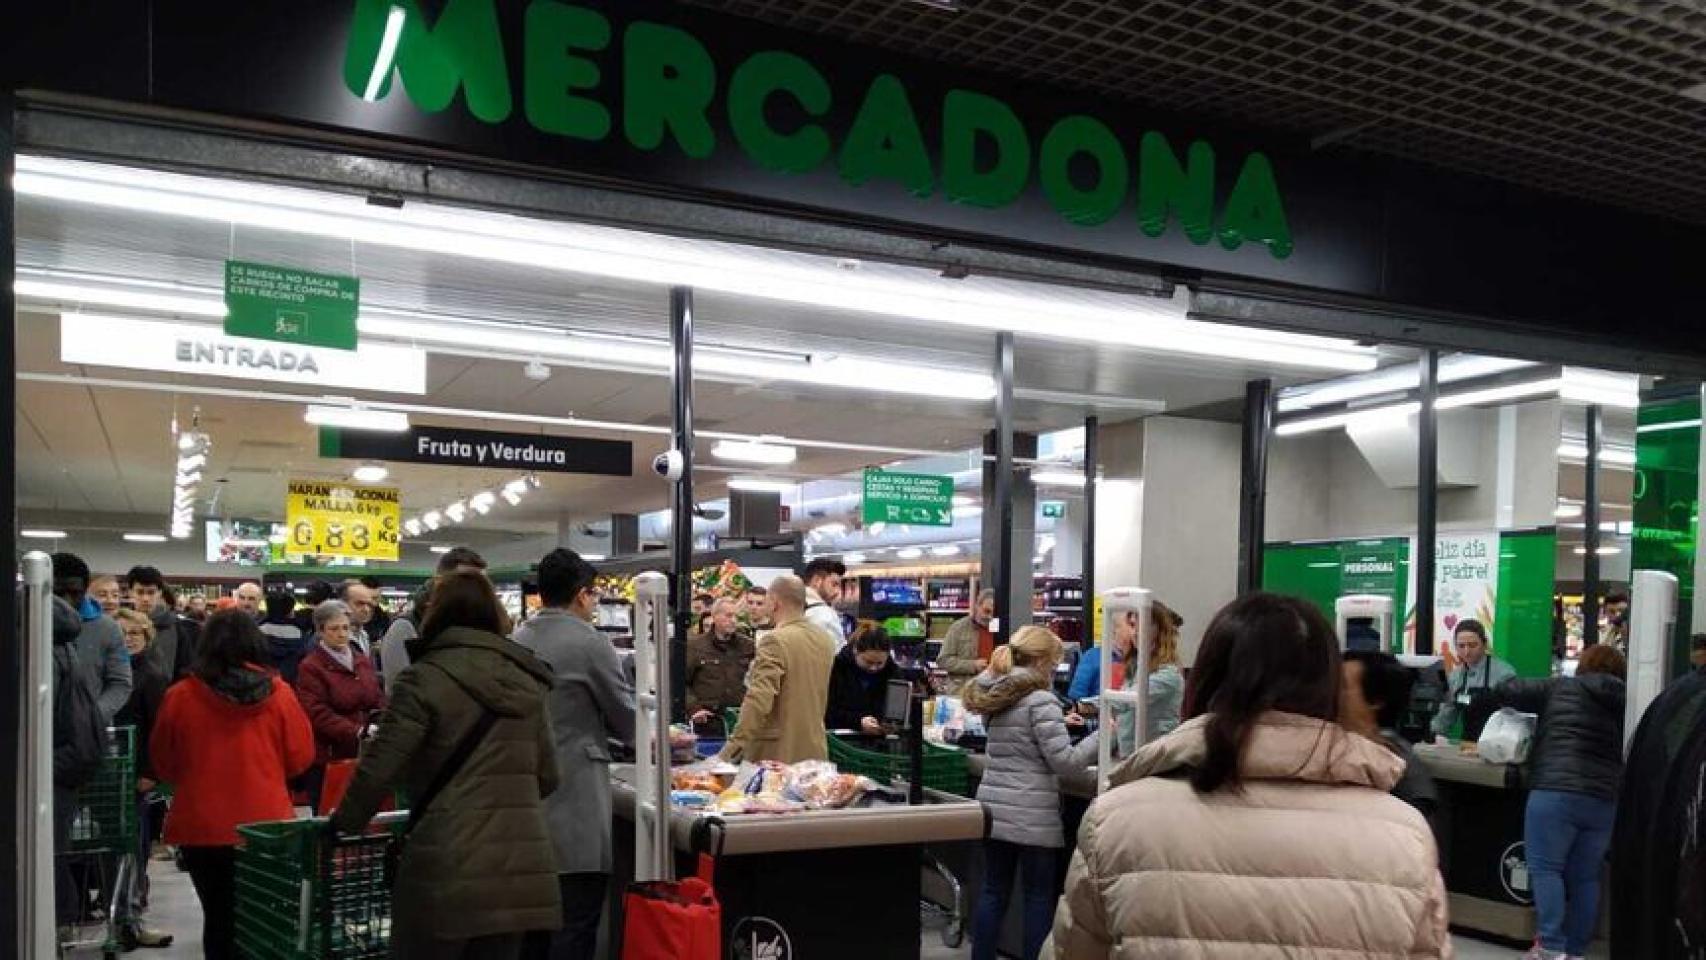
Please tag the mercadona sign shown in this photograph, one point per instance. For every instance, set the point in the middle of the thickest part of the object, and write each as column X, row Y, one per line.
column 656, row 87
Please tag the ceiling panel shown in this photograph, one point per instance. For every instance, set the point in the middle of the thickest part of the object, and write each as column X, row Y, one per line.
column 1577, row 97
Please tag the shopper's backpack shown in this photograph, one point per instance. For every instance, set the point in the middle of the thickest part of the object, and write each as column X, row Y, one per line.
column 79, row 728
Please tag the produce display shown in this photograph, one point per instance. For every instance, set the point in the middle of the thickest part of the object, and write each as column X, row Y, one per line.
column 766, row 787
column 724, row 580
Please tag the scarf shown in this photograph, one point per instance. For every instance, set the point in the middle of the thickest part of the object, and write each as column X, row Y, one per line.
column 344, row 657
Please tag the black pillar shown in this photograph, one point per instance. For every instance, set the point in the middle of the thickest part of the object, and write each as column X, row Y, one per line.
column 681, row 509
column 1092, row 455
column 1595, row 423
column 1253, row 490
column 1004, row 485
column 1427, row 502
column 12, row 898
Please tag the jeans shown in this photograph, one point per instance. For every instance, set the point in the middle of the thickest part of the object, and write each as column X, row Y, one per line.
column 133, row 902
column 213, row 871
column 1566, row 835
column 1038, row 868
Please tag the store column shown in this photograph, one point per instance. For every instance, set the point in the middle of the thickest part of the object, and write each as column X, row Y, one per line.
column 1023, row 496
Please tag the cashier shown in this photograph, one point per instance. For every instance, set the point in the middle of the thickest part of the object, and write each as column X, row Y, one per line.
column 1477, row 670
column 859, row 682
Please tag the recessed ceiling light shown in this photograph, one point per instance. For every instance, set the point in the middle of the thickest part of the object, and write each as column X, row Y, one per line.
column 440, row 548
column 145, row 537
column 593, row 557
column 752, row 451
column 370, row 472
column 43, row 534
column 945, row 550
column 909, row 553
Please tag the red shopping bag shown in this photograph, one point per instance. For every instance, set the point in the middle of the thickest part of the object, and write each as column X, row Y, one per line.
column 678, row 920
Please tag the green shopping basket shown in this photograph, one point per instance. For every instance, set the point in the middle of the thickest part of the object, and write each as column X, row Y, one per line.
column 106, row 805
column 945, row 768
column 302, row 895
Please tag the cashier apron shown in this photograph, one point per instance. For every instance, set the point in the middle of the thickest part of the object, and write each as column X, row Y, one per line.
column 1467, row 694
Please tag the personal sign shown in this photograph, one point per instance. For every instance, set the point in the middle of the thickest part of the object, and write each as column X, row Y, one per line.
column 917, row 499
column 489, row 449
column 1369, row 567
column 335, row 519
column 294, row 306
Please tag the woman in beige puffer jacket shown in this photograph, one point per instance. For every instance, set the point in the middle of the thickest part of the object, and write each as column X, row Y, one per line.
column 1260, row 828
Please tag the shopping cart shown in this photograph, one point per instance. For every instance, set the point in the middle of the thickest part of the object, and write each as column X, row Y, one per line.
column 303, row 895
column 101, row 857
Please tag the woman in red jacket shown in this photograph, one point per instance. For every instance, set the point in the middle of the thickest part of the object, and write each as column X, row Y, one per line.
column 339, row 689
column 228, row 737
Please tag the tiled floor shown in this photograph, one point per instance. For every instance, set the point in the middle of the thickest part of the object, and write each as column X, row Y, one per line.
column 176, row 911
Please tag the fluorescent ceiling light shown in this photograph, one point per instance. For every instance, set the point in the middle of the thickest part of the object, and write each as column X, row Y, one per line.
column 909, row 553
column 1103, row 318
column 1057, row 478
column 387, row 53
column 1396, row 413
column 593, row 557
column 1567, row 511
column 1601, row 387
column 440, row 548
column 90, row 294
column 1615, row 455
column 1509, row 391
column 758, row 485
column 357, row 418
column 1394, row 379
column 145, row 537
column 752, row 451
column 43, row 534
column 945, row 550
column 1604, row 551
column 1669, row 425
column 853, row 559
column 370, row 473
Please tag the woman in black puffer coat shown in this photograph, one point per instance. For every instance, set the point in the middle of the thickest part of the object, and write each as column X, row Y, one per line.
column 1574, row 769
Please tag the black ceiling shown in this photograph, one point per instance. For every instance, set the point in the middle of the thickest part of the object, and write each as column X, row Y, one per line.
column 1582, row 98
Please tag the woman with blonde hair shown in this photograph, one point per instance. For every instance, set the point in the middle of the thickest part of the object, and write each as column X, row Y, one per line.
column 1029, row 751
column 1166, row 681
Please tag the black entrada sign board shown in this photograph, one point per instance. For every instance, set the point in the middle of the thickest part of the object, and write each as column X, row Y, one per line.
column 487, row 449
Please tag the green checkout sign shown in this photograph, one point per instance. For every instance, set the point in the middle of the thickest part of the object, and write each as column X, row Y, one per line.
column 917, row 499
column 295, row 306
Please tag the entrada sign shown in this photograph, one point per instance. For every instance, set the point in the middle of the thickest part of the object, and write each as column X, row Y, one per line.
column 655, row 85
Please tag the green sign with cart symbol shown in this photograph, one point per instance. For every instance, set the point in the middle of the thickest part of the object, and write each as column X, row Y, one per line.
column 916, row 499
column 295, row 306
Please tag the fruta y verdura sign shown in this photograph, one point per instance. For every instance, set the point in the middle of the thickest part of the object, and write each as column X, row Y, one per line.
column 596, row 77
column 489, row 449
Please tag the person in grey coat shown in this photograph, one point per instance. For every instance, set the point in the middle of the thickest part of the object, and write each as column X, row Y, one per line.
column 1029, row 751
column 590, row 704
column 100, row 645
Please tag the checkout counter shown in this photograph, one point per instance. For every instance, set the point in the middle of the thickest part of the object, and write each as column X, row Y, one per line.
column 1479, row 827
column 823, row 884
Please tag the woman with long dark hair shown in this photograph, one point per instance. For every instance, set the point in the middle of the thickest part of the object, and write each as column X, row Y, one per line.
column 227, row 738
column 1260, row 825
column 466, row 737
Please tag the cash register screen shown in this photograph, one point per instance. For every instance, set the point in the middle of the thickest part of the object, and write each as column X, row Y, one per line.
column 1362, row 634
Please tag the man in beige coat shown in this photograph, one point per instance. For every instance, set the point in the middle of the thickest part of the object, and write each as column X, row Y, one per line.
column 787, row 690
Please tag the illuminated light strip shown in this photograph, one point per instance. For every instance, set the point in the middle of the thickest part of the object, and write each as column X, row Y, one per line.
column 387, row 53
column 1396, row 413
column 1102, row 318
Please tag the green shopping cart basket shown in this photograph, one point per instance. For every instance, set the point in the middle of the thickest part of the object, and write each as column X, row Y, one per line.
column 302, row 895
column 945, row 768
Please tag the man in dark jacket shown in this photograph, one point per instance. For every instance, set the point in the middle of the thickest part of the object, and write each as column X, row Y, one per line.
column 286, row 643
column 174, row 636
column 1375, row 694
column 717, row 661
column 100, row 644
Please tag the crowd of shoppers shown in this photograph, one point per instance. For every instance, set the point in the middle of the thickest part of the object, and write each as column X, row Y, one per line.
column 1286, row 788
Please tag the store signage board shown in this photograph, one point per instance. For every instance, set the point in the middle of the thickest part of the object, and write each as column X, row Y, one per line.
column 488, row 449
column 1054, row 509
column 1369, row 568
column 290, row 305
column 916, row 499
column 205, row 351
column 354, row 520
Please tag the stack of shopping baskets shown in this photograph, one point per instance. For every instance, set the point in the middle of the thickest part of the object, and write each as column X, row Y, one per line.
column 305, row 895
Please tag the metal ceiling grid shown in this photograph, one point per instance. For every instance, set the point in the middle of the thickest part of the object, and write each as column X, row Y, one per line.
column 1581, row 98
